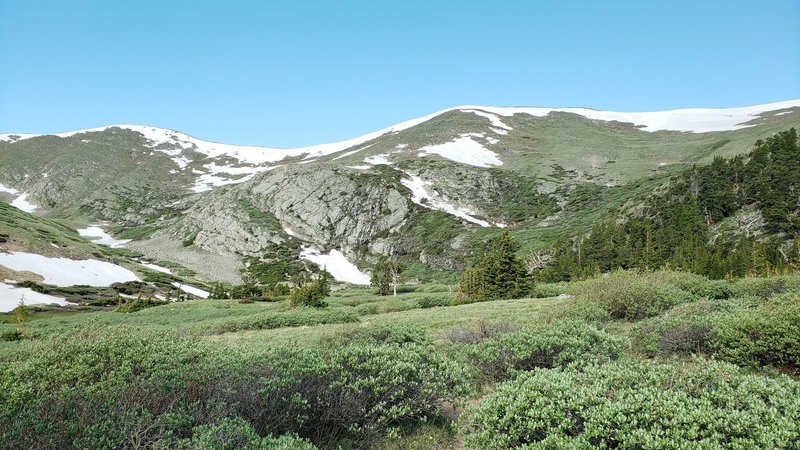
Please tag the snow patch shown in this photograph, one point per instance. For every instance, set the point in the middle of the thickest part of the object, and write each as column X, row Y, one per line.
column 22, row 203
column 463, row 150
column 156, row 267
column 422, row 195
column 694, row 120
column 182, row 162
column 496, row 122
column 99, row 236
column 68, row 272
column 352, row 152
column 10, row 296
column 215, row 175
column 197, row 292
column 337, row 264
column 8, row 190
column 378, row 159
column 359, row 167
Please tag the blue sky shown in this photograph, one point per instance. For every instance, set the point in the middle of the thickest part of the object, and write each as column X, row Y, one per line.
column 292, row 73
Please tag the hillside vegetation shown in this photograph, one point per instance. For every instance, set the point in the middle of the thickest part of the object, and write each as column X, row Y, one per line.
column 573, row 297
column 715, row 361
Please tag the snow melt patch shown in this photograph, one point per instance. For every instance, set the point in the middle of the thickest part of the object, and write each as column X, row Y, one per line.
column 68, row 272
column 422, row 195
column 155, row 267
column 8, row 190
column 463, row 150
column 216, row 176
column 23, row 204
column 197, row 292
column 352, row 152
column 10, row 296
column 377, row 160
column 496, row 122
column 99, row 236
column 337, row 264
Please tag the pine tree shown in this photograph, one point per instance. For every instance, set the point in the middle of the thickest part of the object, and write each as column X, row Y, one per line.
column 500, row 275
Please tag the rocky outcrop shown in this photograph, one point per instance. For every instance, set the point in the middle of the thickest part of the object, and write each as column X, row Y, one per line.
column 331, row 207
column 328, row 207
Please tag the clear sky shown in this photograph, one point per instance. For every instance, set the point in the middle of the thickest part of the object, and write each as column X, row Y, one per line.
column 292, row 73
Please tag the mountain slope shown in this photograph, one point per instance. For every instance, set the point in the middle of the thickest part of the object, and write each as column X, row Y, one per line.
column 428, row 190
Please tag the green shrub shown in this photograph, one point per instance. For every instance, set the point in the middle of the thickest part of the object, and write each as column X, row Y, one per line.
column 768, row 335
column 133, row 305
column 557, row 344
column 639, row 404
column 350, row 393
column 430, row 301
column 291, row 318
column 480, row 332
column 697, row 285
column 737, row 303
column 233, row 434
column 385, row 306
column 547, row 290
column 766, row 287
column 683, row 329
column 102, row 388
column 631, row 295
column 381, row 334
column 122, row 388
column 11, row 335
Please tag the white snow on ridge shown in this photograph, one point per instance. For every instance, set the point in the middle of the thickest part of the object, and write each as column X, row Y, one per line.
column 337, row 264
column 99, row 236
column 22, row 203
column 421, row 195
column 695, row 120
column 68, row 272
column 10, row 296
column 245, row 154
column 463, row 150
column 197, row 292
column 496, row 122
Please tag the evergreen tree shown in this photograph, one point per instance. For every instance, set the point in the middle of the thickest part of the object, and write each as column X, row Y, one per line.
column 500, row 275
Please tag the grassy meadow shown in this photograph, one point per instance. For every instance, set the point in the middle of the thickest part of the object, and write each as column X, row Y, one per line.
column 689, row 360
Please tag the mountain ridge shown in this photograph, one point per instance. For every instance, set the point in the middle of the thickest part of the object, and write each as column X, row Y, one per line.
column 596, row 114
column 430, row 191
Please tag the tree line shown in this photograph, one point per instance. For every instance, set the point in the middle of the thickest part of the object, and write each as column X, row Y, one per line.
column 680, row 227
